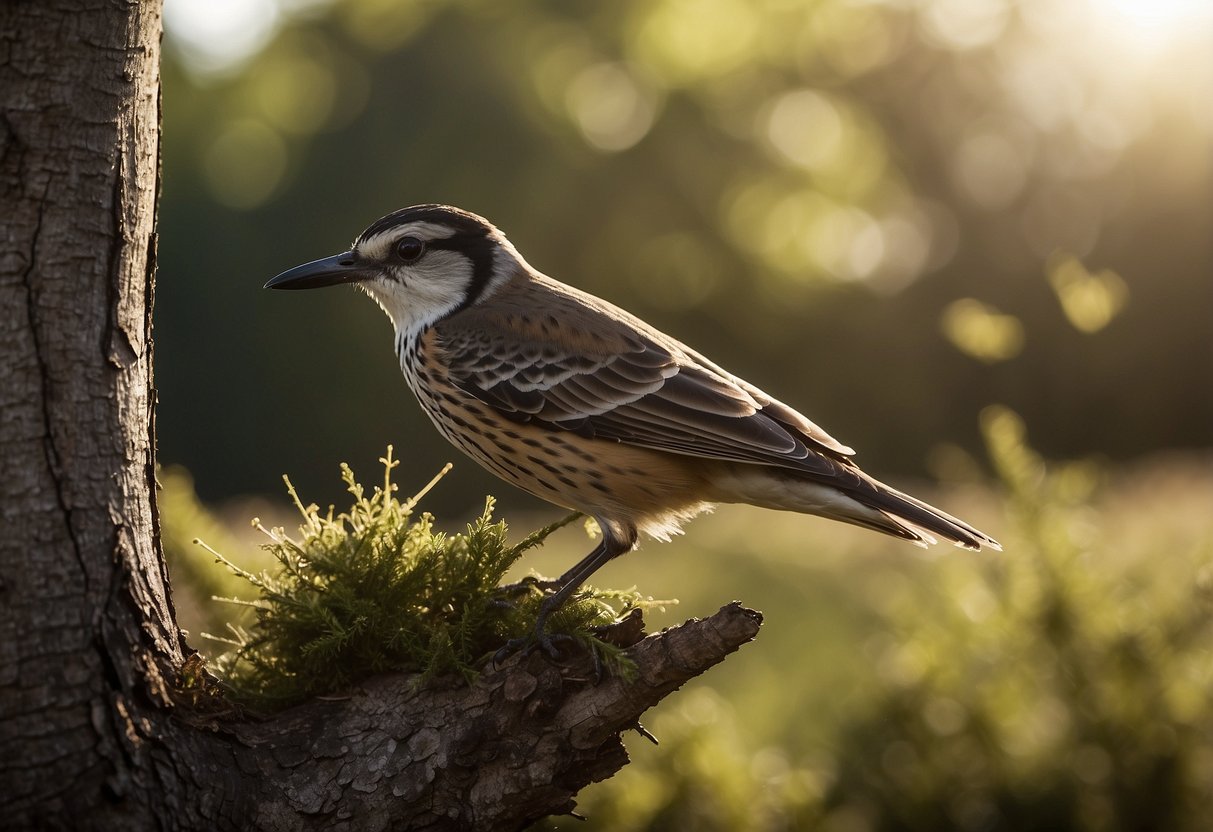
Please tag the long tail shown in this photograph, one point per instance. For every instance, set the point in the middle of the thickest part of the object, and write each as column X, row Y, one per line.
column 911, row 518
column 851, row 497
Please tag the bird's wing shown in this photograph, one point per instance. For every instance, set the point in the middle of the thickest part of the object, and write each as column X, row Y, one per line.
column 582, row 365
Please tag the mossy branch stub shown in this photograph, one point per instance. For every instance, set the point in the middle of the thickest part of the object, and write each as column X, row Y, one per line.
column 377, row 588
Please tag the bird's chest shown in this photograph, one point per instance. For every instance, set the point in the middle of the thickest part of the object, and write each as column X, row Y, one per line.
column 463, row 420
column 427, row 377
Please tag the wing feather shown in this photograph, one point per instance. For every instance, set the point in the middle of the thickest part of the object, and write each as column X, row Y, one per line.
column 601, row 373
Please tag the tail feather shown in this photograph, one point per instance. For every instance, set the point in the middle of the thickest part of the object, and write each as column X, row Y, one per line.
column 851, row 497
column 922, row 517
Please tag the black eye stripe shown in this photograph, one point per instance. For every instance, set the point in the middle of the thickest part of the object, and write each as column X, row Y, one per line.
column 479, row 249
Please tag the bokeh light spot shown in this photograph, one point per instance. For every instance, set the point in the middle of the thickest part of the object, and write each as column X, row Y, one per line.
column 296, row 93
column 1044, row 87
column 981, row 331
column 609, row 107
column 383, row 25
column 557, row 52
column 963, row 24
column 682, row 41
column 217, row 36
column 907, row 243
column 245, row 164
column 868, row 247
column 806, row 129
column 1089, row 301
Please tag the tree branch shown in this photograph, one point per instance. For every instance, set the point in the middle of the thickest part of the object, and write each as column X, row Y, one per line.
column 514, row 747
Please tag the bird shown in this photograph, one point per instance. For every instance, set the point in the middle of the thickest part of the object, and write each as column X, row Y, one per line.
column 582, row 404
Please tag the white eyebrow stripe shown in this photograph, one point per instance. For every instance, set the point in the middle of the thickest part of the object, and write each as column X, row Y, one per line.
column 378, row 245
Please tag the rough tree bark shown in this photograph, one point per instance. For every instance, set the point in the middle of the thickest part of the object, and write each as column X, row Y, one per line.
column 97, row 729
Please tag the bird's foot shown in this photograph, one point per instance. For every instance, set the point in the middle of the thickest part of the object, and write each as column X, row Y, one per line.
column 538, row 640
column 527, row 584
column 623, row 633
column 504, row 594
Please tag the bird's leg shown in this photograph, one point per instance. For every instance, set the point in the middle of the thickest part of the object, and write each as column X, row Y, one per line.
column 524, row 585
column 608, row 548
column 552, row 585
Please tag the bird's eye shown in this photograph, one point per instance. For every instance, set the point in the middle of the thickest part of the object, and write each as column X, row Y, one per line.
column 410, row 249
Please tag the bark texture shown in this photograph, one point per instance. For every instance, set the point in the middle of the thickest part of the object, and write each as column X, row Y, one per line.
column 515, row 747
column 98, row 726
column 85, row 615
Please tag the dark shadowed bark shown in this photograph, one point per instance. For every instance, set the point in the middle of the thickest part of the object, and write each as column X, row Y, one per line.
column 96, row 728
column 86, row 626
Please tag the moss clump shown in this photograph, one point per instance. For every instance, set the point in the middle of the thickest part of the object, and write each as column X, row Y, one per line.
column 376, row 588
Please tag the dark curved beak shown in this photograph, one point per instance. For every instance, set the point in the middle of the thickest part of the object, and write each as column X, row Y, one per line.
column 328, row 271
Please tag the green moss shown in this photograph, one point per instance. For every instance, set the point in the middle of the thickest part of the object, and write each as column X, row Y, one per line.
column 376, row 588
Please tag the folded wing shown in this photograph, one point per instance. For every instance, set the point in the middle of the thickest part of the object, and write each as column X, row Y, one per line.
column 590, row 375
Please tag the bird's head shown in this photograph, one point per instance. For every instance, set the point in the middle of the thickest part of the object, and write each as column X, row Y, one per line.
column 421, row 264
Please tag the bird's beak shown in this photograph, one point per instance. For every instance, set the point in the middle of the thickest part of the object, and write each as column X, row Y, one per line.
column 327, row 271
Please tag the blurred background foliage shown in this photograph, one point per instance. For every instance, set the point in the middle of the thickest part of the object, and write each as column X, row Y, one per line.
column 873, row 208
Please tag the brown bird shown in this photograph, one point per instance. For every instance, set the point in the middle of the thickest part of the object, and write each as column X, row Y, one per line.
column 580, row 403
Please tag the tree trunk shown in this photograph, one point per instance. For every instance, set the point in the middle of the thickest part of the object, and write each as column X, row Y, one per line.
column 101, row 723
column 86, row 617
